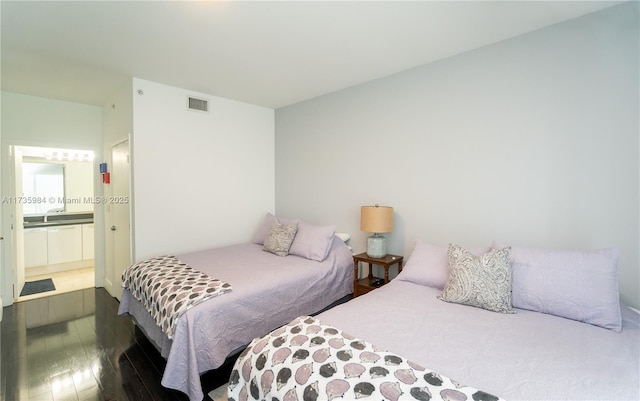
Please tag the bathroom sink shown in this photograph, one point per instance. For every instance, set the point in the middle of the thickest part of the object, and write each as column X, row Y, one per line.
column 59, row 220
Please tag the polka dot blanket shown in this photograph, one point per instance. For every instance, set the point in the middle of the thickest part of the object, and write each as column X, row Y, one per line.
column 308, row 361
column 168, row 287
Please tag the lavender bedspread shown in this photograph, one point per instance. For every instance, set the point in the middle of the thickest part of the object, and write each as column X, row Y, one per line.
column 268, row 292
column 522, row 356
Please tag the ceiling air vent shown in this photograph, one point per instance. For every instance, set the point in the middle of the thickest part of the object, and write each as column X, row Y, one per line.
column 198, row 104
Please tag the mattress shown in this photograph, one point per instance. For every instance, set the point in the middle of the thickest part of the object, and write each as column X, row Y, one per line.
column 523, row 356
column 268, row 292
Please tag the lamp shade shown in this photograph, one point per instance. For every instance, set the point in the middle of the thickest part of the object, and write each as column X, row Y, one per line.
column 376, row 219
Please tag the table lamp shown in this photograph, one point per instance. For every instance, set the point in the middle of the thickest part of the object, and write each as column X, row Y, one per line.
column 376, row 219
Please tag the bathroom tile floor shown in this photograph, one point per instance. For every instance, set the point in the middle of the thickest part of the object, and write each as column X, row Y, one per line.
column 66, row 281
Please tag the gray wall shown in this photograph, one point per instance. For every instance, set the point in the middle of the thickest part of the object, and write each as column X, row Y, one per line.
column 532, row 141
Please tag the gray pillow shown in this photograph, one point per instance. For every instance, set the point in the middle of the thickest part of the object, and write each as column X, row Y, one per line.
column 483, row 281
column 279, row 239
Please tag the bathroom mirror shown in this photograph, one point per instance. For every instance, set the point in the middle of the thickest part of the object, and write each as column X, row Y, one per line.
column 43, row 187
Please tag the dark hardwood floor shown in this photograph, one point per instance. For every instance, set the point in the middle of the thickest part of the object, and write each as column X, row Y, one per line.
column 74, row 346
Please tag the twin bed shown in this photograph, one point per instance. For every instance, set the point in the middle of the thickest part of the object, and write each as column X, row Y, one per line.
column 437, row 331
column 265, row 291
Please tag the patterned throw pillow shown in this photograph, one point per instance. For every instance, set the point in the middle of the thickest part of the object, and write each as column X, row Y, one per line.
column 279, row 239
column 483, row 281
column 266, row 224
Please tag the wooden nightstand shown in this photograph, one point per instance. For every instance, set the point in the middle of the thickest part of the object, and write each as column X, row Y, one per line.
column 364, row 285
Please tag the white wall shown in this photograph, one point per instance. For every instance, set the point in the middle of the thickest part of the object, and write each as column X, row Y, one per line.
column 34, row 121
column 533, row 141
column 200, row 179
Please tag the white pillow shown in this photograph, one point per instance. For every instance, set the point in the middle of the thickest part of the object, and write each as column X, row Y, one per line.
column 343, row 236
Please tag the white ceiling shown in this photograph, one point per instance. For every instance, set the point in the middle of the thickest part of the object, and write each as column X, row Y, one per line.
column 266, row 53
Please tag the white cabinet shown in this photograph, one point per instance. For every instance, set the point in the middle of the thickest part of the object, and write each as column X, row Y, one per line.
column 35, row 247
column 87, row 241
column 64, row 243
column 53, row 248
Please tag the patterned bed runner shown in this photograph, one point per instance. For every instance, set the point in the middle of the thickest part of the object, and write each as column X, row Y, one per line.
column 307, row 361
column 168, row 287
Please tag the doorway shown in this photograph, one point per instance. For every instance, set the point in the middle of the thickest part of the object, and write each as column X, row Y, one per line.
column 54, row 245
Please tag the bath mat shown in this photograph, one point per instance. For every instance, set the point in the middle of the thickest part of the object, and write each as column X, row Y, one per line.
column 36, row 287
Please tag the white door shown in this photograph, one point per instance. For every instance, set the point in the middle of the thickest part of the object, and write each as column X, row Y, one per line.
column 120, row 204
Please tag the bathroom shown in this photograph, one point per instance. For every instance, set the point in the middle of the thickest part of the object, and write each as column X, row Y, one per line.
column 57, row 205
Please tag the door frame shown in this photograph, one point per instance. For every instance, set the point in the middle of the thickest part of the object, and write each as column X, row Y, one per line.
column 11, row 261
column 9, row 247
column 111, row 283
column 17, row 216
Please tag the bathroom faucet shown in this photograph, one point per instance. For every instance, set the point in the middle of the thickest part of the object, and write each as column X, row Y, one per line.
column 52, row 211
